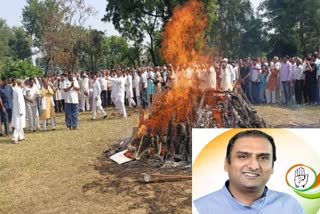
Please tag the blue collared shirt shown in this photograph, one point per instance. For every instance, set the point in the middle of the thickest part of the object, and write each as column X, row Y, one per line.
column 6, row 94
column 271, row 202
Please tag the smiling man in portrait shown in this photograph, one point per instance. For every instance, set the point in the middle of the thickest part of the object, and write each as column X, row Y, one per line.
column 249, row 163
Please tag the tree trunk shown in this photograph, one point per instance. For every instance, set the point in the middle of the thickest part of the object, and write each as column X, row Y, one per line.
column 138, row 58
column 169, row 6
column 151, row 50
column 47, row 67
column 91, row 64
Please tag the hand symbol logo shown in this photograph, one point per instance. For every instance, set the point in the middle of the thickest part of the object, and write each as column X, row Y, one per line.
column 303, row 180
column 300, row 178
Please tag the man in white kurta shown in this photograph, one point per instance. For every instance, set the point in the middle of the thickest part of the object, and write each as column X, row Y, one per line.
column 114, row 90
column 104, row 89
column 30, row 94
column 119, row 83
column 18, row 112
column 129, row 91
column 71, row 89
column 137, row 81
column 211, row 80
column 84, row 93
column 96, row 99
column 226, row 77
column 143, row 85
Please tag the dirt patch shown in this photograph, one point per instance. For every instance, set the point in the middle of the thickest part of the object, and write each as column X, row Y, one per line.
column 278, row 116
column 127, row 180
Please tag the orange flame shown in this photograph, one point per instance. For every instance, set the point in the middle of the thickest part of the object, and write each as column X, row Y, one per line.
column 183, row 46
column 183, row 37
column 172, row 103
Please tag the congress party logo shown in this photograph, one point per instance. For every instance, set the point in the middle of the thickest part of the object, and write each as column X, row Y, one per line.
column 304, row 181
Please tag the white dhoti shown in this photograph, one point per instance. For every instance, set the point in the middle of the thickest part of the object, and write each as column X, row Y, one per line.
column 85, row 104
column 114, row 101
column 129, row 95
column 18, row 114
column 131, row 102
column 96, row 106
column 271, row 96
column 138, row 96
column 33, row 116
column 121, row 107
column 18, row 134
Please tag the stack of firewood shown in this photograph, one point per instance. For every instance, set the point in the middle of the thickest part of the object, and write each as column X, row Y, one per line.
column 215, row 109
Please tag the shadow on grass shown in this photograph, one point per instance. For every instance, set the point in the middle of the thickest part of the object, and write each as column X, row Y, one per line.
column 127, row 180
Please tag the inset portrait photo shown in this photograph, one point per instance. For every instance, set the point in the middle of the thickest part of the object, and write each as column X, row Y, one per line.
column 255, row 171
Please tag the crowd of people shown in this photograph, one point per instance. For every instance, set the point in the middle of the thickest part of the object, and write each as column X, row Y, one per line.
column 37, row 100
column 287, row 81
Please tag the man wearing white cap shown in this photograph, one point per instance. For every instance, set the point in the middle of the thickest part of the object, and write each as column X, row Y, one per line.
column 226, row 76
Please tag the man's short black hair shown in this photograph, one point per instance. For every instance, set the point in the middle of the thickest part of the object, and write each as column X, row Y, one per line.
column 315, row 54
column 251, row 133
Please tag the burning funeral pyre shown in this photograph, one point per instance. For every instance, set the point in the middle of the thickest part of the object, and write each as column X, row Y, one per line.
column 164, row 132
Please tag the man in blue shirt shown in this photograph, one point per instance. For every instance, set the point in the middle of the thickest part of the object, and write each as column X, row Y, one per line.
column 6, row 94
column 249, row 162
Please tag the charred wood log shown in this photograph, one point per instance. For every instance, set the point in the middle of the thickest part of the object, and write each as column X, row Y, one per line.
column 173, row 145
column 162, row 178
column 144, row 147
column 189, row 141
column 170, row 150
column 180, row 143
column 226, row 109
column 157, row 145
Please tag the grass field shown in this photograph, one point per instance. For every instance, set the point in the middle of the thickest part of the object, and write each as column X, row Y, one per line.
column 278, row 116
column 62, row 171
column 47, row 172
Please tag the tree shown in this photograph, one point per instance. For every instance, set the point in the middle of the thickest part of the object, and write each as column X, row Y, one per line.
column 235, row 30
column 89, row 49
column 14, row 43
column 137, row 19
column 115, row 50
column 19, row 69
column 293, row 25
column 20, row 45
column 133, row 56
column 33, row 15
column 5, row 35
column 253, row 41
column 55, row 26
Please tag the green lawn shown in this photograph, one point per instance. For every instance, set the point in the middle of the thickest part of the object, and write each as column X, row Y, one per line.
column 47, row 172
column 58, row 171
